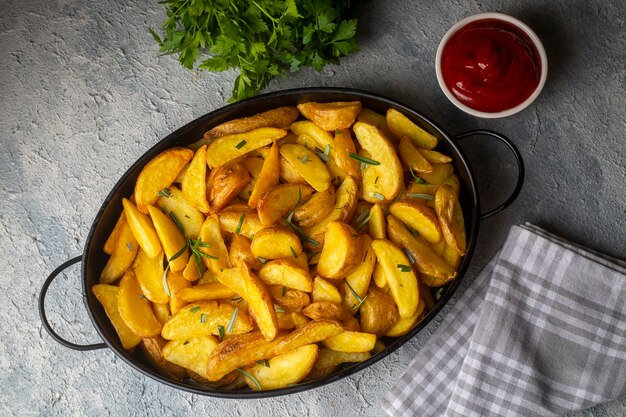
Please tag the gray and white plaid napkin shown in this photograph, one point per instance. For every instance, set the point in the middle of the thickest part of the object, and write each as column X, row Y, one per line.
column 540, row 332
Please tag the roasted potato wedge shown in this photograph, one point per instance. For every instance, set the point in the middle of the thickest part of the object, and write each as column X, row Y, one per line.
column 342, row 151
column 225, row 183
column 438, row 175
column 275, row 243
column 377, row 223
column 404, row 325
column 277, row 202
column 326, row 310
column 315, row 208
column 240, row 253
column 435, row 157
column 378, row 312
column 283, row 370
column 359, row 280
column 153, row 347
column 135, row 310
column 161, row 312
column 191, row 353
column 288, row 273
column 318, row 134
column 328, row 360
column 325, row 291
column 289, row 298
column 108, row 296
column 280, row 117
column 353, row 342
column 259, row 303
column 206, row 292
column 142, row 228
column 312, row 332
column 172, row 200
column 419, row 217
column 416, row 190
column 193, row 270
column 308, row 165
column 158, row 174
column 268, row 177
column 210, row 234
column 149, row 273
column 111, row 242
column 411, row 157
column 203, row 318
column 229, row 220
column 451, row 218
column 175, row 284
column 194, row 183
column 229, row 147
column 124, row 253
column 401, row 126
column 379, row 276
column 172, row 240
column 331, row 116
column 375, row 119
column 341, row 252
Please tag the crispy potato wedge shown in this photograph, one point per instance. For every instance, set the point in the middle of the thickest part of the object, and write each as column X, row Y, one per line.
column 400, row 126
column 353, row 342
column 229, row 147
column 280, row 200
column 455, row 182
column 419, row 217
column 308, row 165
column 285, row 321
column 188, row 323
column 341, row 252
column 152, row 347
column 321, row 137
column 207, row 277
column 288, row 298
column 238, row 351
column 331, row 116
column 316, row 208
column 283, row 370
column 435, row 157
column 229, row 222
column 344, row 146
column 451, row 218
column 378, row 313
column 326, row 310
column 224, row 184
column 312, row 332
column 231, row 278
column 172, row 239
column 259, row 303
column 191, row 218
column 359, row 280
column 240, row 253
column 288, row 273
column 161, row 312
column 268, row 177
column 280, row 117
column 438, row 175
column 217, row 259
column 400, row 276
column 191, row 353
column 411, row 157
column 158, row 174
column 275, row 243
column 380, row 279
column 206, row 292
column 389, row 171
column 254, row 165
column 192, row 271
column 325, row 291
column 126, row 249
column 299, row 319
column 301, row 260
column 426, row 260
column 328, row 360
column 135, row 310
column 377, row 224
column 175, row 284
column 375, row 119
column 109, row 245
column 194, row 182
column 142, row 229
column 404, row 325
column 108, row 296
column 289, row 174
column 451, row 257
column 149, row 273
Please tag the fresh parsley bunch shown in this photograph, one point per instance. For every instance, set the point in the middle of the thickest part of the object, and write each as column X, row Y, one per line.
column 262, row 38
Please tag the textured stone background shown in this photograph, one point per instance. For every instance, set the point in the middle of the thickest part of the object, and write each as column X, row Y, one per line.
column 83, row 94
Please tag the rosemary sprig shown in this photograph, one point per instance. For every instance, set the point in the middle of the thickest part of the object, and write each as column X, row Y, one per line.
column 409, row 255
column 220, row 330
column 359, row 300
column 165, row 193
column 250, row 377
column 418, row 180
column 363, row 159
column 420, row 195
column 238, row 228
column 362, row 220
column 378, row 196
column 164, row 281
column 231, row 323
column 323, row 156
column 264, row 362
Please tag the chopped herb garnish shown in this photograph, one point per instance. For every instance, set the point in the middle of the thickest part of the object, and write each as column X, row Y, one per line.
column 178, row 254
column 363, row 159
column 362, row 220
column 187, row 216
column 304, row 159
column 164, row 281
column 250, row 377
column 129, row 246
column 439, row 293
column 327, row 150
column 419, row 195
column 231, row 323
column 322, row 155
column 284, row 290
column 279, row 310
column 238, row 228
column 409, row 255
column 186, row 342
column 376, row 180
column 418, row 180
column 165, row 193
column 378, row 196
column 404, row 268
column 202, row 318
column 241, row 144
column 264, row 362
column 261, row 260
column 220, row 330
column 293, row 252
column 195, row 309
column 359, row 300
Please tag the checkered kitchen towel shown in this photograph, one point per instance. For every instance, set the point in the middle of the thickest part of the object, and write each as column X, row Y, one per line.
column 540, row 332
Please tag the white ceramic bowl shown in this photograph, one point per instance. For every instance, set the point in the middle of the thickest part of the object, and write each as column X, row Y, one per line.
column 521, row 26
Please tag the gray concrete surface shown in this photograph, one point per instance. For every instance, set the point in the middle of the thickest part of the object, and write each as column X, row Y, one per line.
column 84, row 93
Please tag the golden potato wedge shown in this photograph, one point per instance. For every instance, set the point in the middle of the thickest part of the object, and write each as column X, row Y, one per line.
column 400, row 126
column 419, row 217
column 412, row 157
column 301, row 260
column 268, row 177
column 210, row 234
column 175, row 284
column 289, row 174
column 331, row 116
column 299, row 319
column 207, row 277
column 377, row 225
column 152, row 347
column 231, row 278
column 275, row 243
column 259, row 303
column 254, row 165
column 172, row 200
column 283, row 370
column 380, row 279
column 379, row 346
column 240, row 253
column 206, row 292
column 288, row 298
column 142, row 229
column 326, row 310
column 224, row 184
column 455, row 182
column 435, row 157
column 238, row 351
column 321, row 137
column 353, row 342
column 203, row 318
column 400, row 276
column 438, row 175
column 135, row 310
column 108, row 296
column 161, row 312
column 451, row 218
column 390, row 179
column 312, row 332
column 404, row 325
column 280, row 117
column 172, row 239
column 328, row 360
column 414, row 189
column 191, row 353
column 193, row 270
column 229, row 147
column 194, row 182
column 124, row 253
column 451, row 257
column 308, row 165
column 315, row 208
column 372, row 118
column 343, row 147
column 341, row 252
column 158, row 174
column 325, row 291
column 285, row 321
column 288, row 273
column 277, row 202
column 230, row 217
column 426, row 260
column 109, row 245
column 149, row 273
column 359, row 280
column 378, row 313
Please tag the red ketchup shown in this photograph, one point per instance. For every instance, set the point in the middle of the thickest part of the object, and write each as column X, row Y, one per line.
column 490, row 65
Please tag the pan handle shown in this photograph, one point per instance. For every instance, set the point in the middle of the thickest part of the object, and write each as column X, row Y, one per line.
column 520, row 167
column 42, row 311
